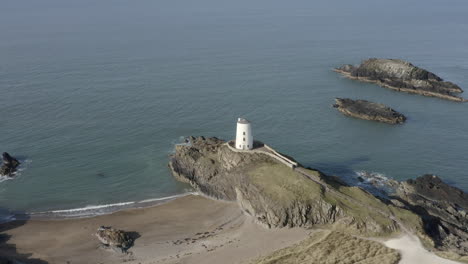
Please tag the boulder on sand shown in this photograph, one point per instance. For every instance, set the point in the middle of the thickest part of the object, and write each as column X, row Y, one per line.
column 115, row 239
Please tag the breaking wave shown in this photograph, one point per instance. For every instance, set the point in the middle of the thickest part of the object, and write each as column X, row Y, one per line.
column 95, row 210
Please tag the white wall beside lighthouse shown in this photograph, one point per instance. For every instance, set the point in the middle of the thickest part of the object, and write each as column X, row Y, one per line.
column 244, row 138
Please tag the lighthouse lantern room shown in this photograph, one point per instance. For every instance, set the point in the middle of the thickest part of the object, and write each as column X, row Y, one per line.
column 244, row 138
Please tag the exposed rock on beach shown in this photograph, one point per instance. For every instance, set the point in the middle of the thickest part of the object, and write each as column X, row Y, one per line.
column 369, row 111
column 117, row 240
column 402, row 76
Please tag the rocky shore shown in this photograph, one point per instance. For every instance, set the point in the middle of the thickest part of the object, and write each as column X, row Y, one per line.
column 443, row 208
column 402, row 76
column 368, row 111
column 278, row 196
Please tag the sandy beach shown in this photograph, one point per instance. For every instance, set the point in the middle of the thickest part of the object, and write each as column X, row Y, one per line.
column 191, row 229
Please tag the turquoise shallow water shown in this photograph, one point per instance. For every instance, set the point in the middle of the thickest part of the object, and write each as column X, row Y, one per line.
column 95, row 94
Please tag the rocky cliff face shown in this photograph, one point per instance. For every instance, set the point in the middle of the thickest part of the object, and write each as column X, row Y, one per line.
column 369, row 111
column 402, row 76
column 278, row 196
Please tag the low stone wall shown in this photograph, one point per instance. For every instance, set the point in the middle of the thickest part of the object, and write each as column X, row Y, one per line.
column 269, row 152
column 281, row 156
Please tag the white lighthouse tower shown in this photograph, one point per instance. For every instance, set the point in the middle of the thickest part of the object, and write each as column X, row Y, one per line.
column 244, row 138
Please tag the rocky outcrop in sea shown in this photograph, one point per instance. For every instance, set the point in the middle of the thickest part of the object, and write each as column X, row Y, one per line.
column 402, row 76
column 369, row 111
column 9, row 165
column 276, row 195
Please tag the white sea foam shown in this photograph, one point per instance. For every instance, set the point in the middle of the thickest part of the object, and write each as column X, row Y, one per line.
column 95, row 210
column 6, row 218
column 5, row 178
column 90, row 207
column 168, row 197
column 373, row 177
column 374, row 182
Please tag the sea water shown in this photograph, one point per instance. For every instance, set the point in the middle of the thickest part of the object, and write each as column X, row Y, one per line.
column 94, row 94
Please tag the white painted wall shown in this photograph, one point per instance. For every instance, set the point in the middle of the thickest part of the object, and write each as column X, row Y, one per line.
column 244, row 138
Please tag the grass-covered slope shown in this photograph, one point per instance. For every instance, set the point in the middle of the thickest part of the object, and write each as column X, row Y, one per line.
column 331, row 247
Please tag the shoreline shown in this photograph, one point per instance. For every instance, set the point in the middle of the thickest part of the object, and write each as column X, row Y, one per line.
column 188, row 229
column 90, row 211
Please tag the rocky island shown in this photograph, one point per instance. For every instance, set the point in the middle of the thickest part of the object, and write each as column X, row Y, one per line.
column 276, row 195
column 402, row 76
column 368, row 111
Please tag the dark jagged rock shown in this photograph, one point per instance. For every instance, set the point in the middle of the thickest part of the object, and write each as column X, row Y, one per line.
column 4, row 260
column 402, row 76
column 117, row 240
column 443, row 208
column 9, row 165
column 369, row 111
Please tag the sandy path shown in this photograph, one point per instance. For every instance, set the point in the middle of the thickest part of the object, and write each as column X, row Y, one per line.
column 191, row 229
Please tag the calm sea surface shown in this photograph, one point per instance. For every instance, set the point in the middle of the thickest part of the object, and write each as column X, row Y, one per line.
column 94, row 94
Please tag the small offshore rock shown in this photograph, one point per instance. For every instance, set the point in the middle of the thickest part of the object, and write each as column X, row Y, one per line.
column 9, row 165
column 369, row 111
column 115, row 239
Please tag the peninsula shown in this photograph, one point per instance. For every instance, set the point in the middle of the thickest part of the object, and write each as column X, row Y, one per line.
column 402, row 76
column 277, row 195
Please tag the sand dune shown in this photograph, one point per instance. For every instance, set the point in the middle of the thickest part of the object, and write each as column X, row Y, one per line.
column 413, row 252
